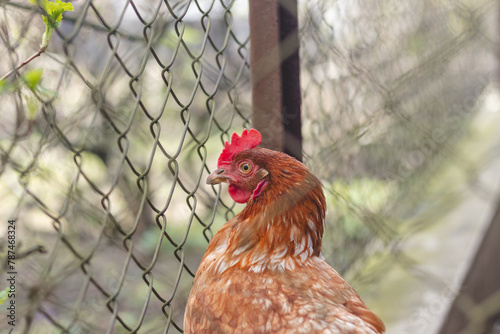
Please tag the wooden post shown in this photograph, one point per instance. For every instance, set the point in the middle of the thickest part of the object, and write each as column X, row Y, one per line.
column 275, row 68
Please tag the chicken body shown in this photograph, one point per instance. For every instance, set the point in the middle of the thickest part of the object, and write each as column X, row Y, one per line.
column 263, row 272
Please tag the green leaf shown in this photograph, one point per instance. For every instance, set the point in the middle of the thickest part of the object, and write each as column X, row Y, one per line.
column 32, row 104
column 4, row 86
column 4, row 294
column 46, row 21
column 56, row 10
column 33, row 77
column 54, row 13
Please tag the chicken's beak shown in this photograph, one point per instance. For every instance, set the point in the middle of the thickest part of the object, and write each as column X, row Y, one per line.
column 218, row 176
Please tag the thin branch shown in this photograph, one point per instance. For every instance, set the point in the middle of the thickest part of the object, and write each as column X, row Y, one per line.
column 37, row 54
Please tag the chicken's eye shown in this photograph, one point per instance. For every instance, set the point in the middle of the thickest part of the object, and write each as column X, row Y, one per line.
column 245, row 168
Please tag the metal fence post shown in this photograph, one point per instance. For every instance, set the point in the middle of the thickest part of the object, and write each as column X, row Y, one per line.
column 275, row 69
column 290, row 78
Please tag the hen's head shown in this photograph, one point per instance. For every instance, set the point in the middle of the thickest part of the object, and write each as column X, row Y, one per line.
column 258, row 173
column 276, row 185
column 238, row 167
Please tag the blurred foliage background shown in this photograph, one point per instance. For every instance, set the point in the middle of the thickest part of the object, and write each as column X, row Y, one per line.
column 107, row 137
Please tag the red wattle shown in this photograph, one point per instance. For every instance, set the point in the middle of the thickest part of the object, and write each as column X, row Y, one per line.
column 239, row 195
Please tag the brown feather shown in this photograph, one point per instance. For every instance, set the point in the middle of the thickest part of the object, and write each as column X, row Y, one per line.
column 263, row 272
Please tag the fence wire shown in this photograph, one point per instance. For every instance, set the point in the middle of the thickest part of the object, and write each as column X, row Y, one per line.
column 393, row 91
column 104, row 159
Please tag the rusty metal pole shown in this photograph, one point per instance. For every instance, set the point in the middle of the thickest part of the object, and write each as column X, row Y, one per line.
column 290, row 78
column 265, row 72
column 274, row 70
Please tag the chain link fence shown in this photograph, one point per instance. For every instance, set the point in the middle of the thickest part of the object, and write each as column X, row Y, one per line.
column 401, row 118
column 103, row 160
column 104, row 157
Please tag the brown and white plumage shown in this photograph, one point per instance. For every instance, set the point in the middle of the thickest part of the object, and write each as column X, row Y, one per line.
column 263, row 272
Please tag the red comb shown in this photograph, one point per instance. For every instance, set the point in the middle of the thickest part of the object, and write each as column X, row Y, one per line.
column 247, row 141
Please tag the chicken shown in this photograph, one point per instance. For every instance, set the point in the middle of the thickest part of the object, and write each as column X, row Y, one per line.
column 263, row 272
